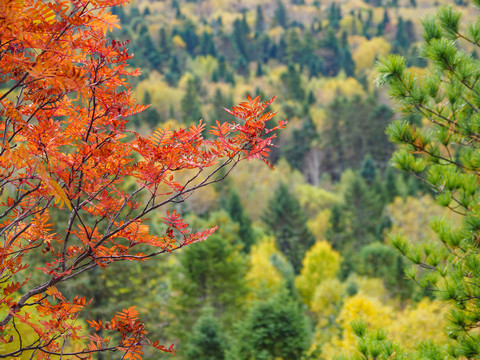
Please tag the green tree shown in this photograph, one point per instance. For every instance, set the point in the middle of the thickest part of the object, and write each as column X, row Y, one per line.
column 280, row 50
column 330, row 52
column 147, row 51
column 382, row 261
column 356, row 222
column 353, row 129
column 205, row 341
column 174, row 71
column 390, row 184
column 368, row 170
column 346, row 59
column 379, row 117
column 263, row 46
column 259, row 21
column 295, row 50
column 134, row 13
column 188, row 33
column 150, row 116
column 190, row 104
column 383, row 24
column 286, row 220
column 239, row 38
column 274, row 329
column 293, row 83
column 259, row 71
column 334, row 15
column 300, row 143
column 332, row 143
column 164, row 45
column 207, row 46
column 401, row 37
column 280, row 16
column 235, row 210
column 220, row 101
column 209, row 273
column 447, row 159
column 363, row 208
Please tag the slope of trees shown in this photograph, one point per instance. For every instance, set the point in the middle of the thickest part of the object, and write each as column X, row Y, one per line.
column 299, row 252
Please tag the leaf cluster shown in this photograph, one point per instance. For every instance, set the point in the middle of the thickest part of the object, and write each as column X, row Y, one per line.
column 65, row 149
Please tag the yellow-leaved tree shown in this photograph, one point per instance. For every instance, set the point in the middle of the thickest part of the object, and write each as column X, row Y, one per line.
column 263, row 277
column 408, row 327
column 369, row 309
column 321, row 262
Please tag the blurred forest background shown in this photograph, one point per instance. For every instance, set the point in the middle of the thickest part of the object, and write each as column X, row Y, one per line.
column 303, row 250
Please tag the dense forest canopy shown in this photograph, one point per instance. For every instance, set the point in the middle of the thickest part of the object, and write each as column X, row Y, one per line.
column 301, row 263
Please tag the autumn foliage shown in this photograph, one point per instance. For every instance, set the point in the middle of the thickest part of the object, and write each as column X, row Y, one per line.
column 65, row 147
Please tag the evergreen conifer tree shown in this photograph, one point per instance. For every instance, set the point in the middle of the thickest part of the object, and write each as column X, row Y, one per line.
column 262, row 47
column 286, row 220
column 447, row 160
column 259, row 71
column 229, row 78
column 334, row 16
column 174, row 71
column 220, row 101
column 390, row 190
column 245, row 26
column 150, row 116
column 296, row 50
column 300, row 144
column 148, row 51
column 363, row 208
column 401, row 39
column 222, row 66
column 367, row 23
column 382, row 261
column 281, row 50
column 332, row 140
column 189, row 35
column 134, row 13
column 355, row 222
column 331, row 49
column 235, row 210
column 368, row 169
column 280, row 15
column 259, row 21
column 239, row 38
column 207, row 46
column 164, row 47
column 346, row 59
column 211, row 273
column 206, row 341
column 190, row 103
column 293, row 83
column 274, row 329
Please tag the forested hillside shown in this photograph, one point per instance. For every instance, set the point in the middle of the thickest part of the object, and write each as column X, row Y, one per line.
column 303, row 250
column 287, row 270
